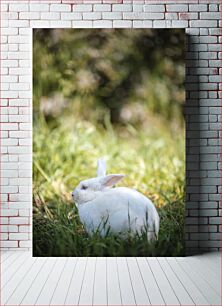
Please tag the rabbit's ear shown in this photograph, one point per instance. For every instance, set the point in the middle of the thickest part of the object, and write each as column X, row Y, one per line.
column 111, row 179
column 101, row 167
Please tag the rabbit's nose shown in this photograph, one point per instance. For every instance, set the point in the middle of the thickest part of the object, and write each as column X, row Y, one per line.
column 74, row 194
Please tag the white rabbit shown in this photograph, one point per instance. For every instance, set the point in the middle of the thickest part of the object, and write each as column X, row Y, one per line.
column 119, row 210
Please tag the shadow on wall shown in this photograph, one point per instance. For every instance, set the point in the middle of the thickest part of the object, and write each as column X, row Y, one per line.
column 193, row 172
column 194, row 124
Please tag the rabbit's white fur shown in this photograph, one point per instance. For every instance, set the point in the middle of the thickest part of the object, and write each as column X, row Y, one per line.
column 118, row 210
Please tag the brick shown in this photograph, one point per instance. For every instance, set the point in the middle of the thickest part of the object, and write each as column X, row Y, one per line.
column 24, row 126
column 25, row 244
column 171, row 16
column 191, row 221
column 102, row 7
column 122, row 7
column 60, row 24
column 213, row 7
column 208, row 39
column 19, row 71
column 18, row 236
column 207, row 15
column 138, row 15
column 4, row 236
column 25, row 31
column 199, row 236
column 19, row 149
column 9, row 212
column 82, row 8
column 39, row 24
column 19, row 118
column 71, row 16
column 4, row 7
column 9, row 142
column 20, row 181
column 162, row 23
column 208, row 212
column 203, row 23
column 209, row 228
column 19, row 102
column 24, row 212
column 215, row 63
column 9, row 244
column 187, row 16
column 208, row 205
column 204, row 31
column 18, row 23
column 214, row 47
column 102, row 24
column 19, row 220
column 137, row 8
column 215, row 236
column 112, row 15
column 92, row 15
column 215, row 31
column 9, row 31
column 180, row 23
column 13, row 47
column 39, row 7
column 4, row 71
column 9, row 94
column 177, row 8
column 147, row 24
column 9, row 126
column 9, row 173
column 207, row 55
column 154, row 8
column 9, row 228
column 51, row 16
column 9, row 63
column 25, row 142
column 12, row 158
column 29, row 15
column 24, row 229
column 197, row 7
column 22, row 7
column 122, row 23
column 82, row 24
column 60, row 8
column 138, row 23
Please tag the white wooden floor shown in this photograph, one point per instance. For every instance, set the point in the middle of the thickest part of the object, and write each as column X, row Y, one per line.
column 110, row 281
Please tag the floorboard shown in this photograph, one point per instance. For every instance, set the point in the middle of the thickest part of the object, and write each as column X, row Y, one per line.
column 127, row 292
column 182, row 295
column 28, row 280
column 61, row 291
column 113, row 284
column 191, row 287
column 166, row 288
column 48, row 290
column 86, row 294
column 208, row 292
column 213, row 279
column 139, row 288
column 100, row 283
column 73, row 293
column 152, row 287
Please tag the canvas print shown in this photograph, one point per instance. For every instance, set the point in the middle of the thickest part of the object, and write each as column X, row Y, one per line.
column 108, row 142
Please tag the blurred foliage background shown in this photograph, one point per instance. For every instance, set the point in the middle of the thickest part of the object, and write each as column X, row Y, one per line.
column 113, row 93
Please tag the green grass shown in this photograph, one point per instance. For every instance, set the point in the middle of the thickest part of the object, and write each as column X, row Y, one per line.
column 152, row 157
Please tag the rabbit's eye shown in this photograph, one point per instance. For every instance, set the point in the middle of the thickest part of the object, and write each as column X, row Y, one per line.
column 84, row 187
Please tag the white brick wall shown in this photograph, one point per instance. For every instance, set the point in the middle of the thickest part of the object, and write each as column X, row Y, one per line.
column 203, row 106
